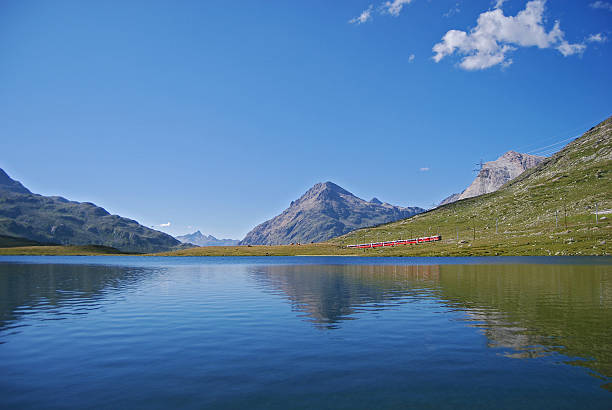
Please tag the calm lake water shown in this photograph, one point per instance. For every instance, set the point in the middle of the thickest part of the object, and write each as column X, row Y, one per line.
column 148, row 332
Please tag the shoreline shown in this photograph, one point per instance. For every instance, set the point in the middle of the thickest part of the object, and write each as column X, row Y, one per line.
column 448, row 249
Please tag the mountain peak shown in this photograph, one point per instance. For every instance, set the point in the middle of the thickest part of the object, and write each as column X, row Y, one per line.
column 323, row 191
column 9, row 184
column 375, row 201
column 327, row 186
column 326, row 210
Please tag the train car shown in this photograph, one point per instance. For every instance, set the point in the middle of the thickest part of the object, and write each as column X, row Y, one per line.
column 424, row 239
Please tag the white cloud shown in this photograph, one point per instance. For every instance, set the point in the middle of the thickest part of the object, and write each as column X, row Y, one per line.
column 424, row 169
column 568, row 49
column 388, row 7
column 597, row 38
column 395, row 7
column 603, row 5
column 167, row 224
column 496, row 35
column 363, row 17
column 411, row 58
column 499, row 3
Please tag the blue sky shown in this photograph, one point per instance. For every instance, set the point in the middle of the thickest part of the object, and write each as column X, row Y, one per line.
column 215, row 115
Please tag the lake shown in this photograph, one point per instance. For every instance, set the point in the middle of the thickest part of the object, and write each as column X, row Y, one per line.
column 305, row 332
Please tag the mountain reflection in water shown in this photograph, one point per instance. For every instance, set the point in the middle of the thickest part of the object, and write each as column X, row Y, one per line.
column 60, row 290
column 528, row 310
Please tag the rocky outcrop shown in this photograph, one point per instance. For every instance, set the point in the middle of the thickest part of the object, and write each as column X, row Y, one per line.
column 58, row 220
column 199, row 239
column 323, row 212
column 494, row 174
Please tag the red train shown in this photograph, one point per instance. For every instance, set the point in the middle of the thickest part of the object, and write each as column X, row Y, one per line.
column 434, row 238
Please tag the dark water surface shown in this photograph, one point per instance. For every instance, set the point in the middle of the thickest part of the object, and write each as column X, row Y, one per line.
column 147, row 332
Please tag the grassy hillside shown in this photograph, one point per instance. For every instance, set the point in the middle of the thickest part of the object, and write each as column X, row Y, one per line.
column 548, row 210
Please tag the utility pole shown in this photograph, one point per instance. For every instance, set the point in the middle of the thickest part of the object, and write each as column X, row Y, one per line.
column 596, row 215
column 556, row 218
column 496, row 222
column 474, row 233
column 565, row 209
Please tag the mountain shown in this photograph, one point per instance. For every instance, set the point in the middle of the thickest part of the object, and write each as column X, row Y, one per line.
column 548, row 209
column 197, row 238
column 494, row 174
column 323, row 212
column 57, row 220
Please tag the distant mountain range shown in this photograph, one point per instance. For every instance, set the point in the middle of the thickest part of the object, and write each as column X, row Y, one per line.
column 494, row 174
column 324, row 212
column 197, row 238
column 53, row 219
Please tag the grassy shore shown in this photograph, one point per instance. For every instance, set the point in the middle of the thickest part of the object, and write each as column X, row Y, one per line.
column 579, row 239
column 586, row 240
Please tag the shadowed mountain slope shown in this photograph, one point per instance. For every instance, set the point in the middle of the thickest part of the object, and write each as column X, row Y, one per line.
column 58, row 220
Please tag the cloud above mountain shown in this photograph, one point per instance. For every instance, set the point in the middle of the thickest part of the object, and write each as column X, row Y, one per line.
column 496, row 35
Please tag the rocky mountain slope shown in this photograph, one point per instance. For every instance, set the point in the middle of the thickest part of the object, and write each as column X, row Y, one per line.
column 58, row 220
column 547, row 210
column 323, row 212
column 494, row 174
column 199, row 239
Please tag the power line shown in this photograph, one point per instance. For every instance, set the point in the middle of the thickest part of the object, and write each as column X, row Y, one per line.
column 551, row 145
column 569, row 131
